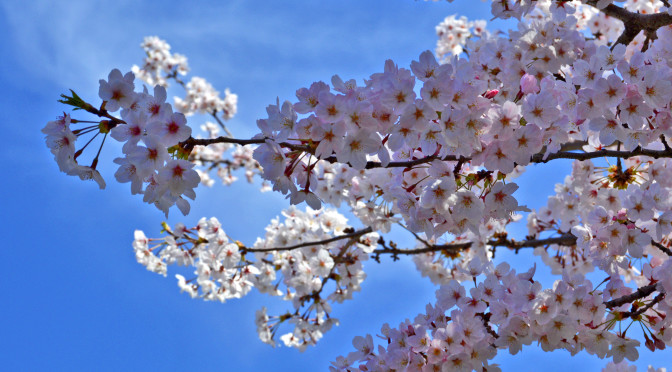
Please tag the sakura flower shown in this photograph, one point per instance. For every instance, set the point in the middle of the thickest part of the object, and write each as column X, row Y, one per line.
column 525, row 141
column 654, row 90
column 356, row 147
column 133, row 130
column 495, row 158
column 635, row 241
column 271, row 158
column 61, row 142
column 117, row 91
column 585, row 74
column 87, row 173
column 448, row 295
column 179, row 177
column 608, row 58
column 528, row 84
column 332, row 140
column 308, row 97
column 499, row 201
column 610, row 91
column 57, row 126
column 624, row 348
column 127, row 172
column 633, row 70
column 398, row 93
column 540, row 109
column 468, row 205
column 172, row 130
column 331, row 108
column 634, row 111
column 156, row 106
column 281, row 120
column 425, row 67
column 146, row 159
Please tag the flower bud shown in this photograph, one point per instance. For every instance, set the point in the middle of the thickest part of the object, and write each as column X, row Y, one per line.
column 528, row 84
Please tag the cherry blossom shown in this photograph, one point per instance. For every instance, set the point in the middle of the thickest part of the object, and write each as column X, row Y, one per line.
column 434, row 148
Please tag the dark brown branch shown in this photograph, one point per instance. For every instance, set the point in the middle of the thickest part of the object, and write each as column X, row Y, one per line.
column 191, row 142
column 223, row 139
column 639, row 20
column 315, row 296
column 309, row 244
column 565, row 240
column 665, row 144
column 634, row 22
column 536, row 158
column 219, row 121
column 634, row 314
column 638, row 294
column 656, row 154
column 663, row 248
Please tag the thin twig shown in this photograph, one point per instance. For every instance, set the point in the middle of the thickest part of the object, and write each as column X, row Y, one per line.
column 643, row 309
column 565, row 240
column 634, row 22
column 663, row 248
column 638, row 294
column 536, row 158
column 310, row 244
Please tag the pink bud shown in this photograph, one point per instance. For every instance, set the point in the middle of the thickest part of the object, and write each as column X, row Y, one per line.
column 491, row 94
column 621, row 215
column 631, row 90
column 528, row 84
column 660, row 344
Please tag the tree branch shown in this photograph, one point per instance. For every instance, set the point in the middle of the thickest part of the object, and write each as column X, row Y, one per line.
column 565, row 152
column 190, row 142
column 634, row 22
column 663, row 248
column 219, row 121
column 642, row 21
column 565, row 240
column 643, row 309
column 638, row 294
column 351, row 235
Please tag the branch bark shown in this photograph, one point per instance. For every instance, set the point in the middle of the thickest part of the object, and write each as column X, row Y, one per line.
column 565, row 239
column 536, row 158
column 634, row 22
column 352, row 235
column 638, row 294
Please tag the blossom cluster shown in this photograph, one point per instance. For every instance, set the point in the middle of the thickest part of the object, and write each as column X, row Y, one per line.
column 480, row 109
column 226, row 158
column 613, row 231
column 155, row 160
column 434, row 148
column 200, row 98
column 625, row 367
column 504, row 310
column 453, row 33
column 61, row 142
column 160, row 63
column 311, row 277
column 148, row 128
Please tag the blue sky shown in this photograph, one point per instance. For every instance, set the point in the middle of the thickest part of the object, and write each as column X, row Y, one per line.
column 73, row 296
